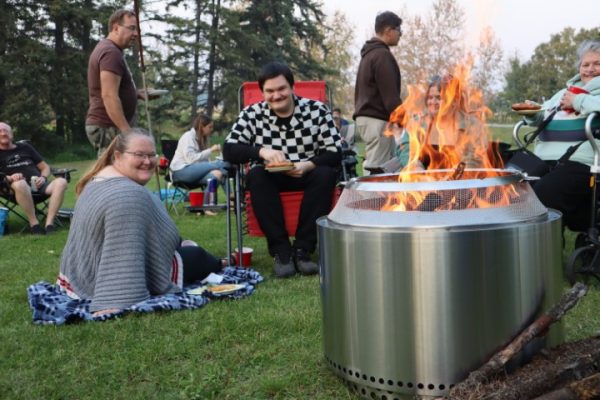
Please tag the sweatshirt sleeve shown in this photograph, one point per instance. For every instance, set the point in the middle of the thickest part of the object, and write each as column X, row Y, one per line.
column 388, row 83
column 189, row 150
column 239, row 144
column 238, row 153
column 586, row 103
column 192, row 155
column 329, row 141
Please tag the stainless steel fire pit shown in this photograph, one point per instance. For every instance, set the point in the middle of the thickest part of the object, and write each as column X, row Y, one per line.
column 413, row 300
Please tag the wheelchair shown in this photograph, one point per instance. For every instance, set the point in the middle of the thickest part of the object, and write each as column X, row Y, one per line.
column 583, row 264
column 349, row 163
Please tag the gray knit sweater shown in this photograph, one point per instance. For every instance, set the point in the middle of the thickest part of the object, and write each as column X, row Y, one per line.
column 120, row 245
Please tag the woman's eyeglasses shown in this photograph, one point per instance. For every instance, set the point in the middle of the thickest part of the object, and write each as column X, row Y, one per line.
column 143, row 156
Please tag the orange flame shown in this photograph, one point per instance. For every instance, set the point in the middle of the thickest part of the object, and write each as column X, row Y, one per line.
column 453, row 136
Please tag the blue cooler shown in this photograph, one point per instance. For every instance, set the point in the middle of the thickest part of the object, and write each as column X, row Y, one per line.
column 3, row 219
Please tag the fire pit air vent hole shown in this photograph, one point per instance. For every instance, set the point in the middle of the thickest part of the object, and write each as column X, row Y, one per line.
column 370, row 379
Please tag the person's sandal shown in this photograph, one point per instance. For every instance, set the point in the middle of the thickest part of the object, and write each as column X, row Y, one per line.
column 50, row 229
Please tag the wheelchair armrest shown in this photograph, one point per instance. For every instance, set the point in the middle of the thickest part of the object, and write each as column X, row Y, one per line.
column 595, row 168
column 515, row 133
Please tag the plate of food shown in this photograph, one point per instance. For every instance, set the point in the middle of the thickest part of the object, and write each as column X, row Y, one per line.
column 526, row 108
column 280, row 167
column 154, row 93
column 198, row 291
column 224, row 289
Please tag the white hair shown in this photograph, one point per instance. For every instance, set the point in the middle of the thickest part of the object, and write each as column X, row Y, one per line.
column 7, row 126
column 586, row 47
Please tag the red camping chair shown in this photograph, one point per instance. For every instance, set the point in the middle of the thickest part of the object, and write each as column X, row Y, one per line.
column 248, row 94
column 291, row 210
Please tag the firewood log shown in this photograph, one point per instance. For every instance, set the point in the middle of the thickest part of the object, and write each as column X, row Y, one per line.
column 584, row 389
column 538, row 328
column 549, row 371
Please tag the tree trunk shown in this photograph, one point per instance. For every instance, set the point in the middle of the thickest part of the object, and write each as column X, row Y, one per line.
column 57, row 73
column 196, row 71
column 214, row 31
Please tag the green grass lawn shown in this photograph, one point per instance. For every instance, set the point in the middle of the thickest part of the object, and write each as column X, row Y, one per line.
column 266, row 346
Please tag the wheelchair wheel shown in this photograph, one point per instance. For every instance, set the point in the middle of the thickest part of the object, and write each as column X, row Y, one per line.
column 581, row 240
column 581, row 264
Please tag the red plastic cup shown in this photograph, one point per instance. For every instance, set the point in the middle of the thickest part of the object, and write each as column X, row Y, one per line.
column 246, row 256
column 163, row 162
column 196, row 199
column 575, row 90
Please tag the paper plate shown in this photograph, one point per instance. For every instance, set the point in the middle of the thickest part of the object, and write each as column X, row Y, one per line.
column 280, row 169
column 157, row 92
column 224, row 289
column 198, row 291
column 527, row 112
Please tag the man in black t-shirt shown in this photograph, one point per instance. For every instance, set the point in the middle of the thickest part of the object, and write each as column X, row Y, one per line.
column 25, row 171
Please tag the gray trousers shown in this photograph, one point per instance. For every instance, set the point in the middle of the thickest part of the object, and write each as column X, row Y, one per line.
column 378, row 148
column 100, row 137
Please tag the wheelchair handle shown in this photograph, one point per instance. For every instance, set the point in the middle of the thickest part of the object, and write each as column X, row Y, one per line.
column 515, row 133
column 595, row 168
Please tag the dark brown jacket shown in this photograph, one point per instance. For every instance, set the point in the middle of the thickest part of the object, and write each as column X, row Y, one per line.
column 377, row 89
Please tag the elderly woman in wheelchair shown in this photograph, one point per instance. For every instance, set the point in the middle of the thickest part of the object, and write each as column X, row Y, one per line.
column 562, row 142
column 568, row 126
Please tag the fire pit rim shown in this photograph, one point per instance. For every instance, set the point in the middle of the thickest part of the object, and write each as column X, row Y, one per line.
column 374, row 183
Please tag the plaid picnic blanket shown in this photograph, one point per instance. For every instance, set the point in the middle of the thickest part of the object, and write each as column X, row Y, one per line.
column 51, row 305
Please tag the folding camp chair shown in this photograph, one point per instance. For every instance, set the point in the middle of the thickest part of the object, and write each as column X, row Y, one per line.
column 40, row 200
column 249, row 93
column 176, row 192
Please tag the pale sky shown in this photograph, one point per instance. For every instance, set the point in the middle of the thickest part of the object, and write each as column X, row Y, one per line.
column 520, row 25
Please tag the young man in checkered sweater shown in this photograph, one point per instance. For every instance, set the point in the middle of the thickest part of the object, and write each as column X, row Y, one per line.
column 285, row 127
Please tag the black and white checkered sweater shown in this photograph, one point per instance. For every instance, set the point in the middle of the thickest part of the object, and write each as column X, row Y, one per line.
column 311, row 134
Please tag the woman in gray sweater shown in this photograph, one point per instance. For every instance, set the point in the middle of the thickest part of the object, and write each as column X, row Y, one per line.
column 123, row 247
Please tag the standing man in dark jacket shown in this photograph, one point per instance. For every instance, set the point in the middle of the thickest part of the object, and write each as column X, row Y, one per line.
column 377, row 89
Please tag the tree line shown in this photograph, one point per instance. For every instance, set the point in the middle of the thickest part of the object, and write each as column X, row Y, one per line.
column 202, row 50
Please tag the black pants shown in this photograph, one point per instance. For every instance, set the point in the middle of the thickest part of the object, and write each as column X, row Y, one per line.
column 197, row 263
column 264, row 186
column 567, row 189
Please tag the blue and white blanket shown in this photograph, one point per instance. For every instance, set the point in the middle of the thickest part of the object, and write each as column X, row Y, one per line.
column 51, row 304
